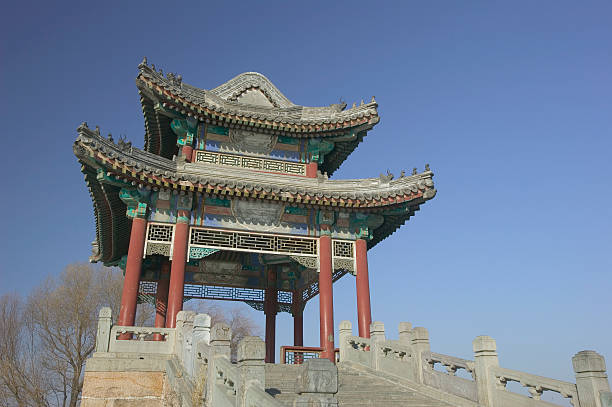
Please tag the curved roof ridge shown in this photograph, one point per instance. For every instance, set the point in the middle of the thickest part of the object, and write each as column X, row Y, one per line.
column 239, row 84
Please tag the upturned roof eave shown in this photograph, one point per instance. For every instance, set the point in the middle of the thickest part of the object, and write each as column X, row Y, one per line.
column 149, row 169
column 297, row 121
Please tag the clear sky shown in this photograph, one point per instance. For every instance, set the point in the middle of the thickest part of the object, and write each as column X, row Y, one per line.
column 509, row 102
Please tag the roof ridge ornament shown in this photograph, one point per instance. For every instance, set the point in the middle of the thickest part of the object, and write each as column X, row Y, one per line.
column 143, row 63
column 239, row 84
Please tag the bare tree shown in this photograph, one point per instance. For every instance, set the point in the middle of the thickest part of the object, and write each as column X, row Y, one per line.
column 63, row 315
column 45, row 342
column 22, row 383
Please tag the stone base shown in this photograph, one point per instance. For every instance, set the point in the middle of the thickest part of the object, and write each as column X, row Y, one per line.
column 315, row 400
column 115, row 382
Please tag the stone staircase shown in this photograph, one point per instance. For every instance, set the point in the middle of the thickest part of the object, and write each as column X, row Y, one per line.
column 355, row 389
column 360, row 389
column 280, row 382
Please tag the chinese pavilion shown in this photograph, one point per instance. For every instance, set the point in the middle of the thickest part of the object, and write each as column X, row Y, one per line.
column 230, row 199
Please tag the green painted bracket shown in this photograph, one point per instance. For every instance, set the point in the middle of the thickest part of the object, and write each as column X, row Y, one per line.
column 185, row 130
column 365, row 224
column 318, row 148
column 103, row 178
column 294, row 210
column 136, row 201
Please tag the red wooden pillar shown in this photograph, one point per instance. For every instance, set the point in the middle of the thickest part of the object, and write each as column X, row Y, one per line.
column 177, row 271
column 188, row 153
column 298, row 319
column 161, row 298
column 270, row 308
column 326, row 302
column 129, row 296
column 364, row 314
column 311, row 170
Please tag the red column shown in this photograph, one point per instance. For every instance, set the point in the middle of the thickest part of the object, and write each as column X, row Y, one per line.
column 177, row 271
column 311, row 170
column 129, row 296
column 364, row 314
column 270, row 307
column 326, row 303
column 161, row 297
column 298, row 319
column 188, row 153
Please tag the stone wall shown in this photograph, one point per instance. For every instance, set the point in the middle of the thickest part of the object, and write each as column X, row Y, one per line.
column 115, row 389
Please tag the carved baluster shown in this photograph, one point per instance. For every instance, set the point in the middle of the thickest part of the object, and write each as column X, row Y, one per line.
column 451, row 369
column 535, row 391
column 431, row 363
column 500, row 382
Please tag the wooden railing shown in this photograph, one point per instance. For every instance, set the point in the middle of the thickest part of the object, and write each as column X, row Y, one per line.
column 296, row 355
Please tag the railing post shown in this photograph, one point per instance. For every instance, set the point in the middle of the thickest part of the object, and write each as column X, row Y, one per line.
column 345, row 329
column 250, row 356
column 591, row 378
column 104, row 326
column 420, row 345
column 377, row 331
column 200, row 333
column 316, row 384
column 184, row 331
column 377, row 335
column 405, row 329
column 220, row 339
column 485, row 357
column 201, row 329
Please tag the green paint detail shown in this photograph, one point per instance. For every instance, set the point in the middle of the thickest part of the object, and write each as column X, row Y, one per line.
column 200, row 252
column 401, row 210
column 184, row 202
column 136, row 201
column 169, row 112
column 318, row 148
column 103, row 178
column 212, row 201
column 363, row 225
column 326, row 217
column 185, row 130
column 122, row 263
column 294, row 210
column 288, row 140
column 224, row 131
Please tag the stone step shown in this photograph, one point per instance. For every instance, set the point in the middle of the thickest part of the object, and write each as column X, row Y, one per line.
column 360, row 389
column 406, row 403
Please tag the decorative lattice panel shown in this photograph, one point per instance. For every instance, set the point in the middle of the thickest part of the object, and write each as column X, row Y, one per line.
column 251, row 296
column 197, row 253
column 307, row 261
column 252, row 242
column 159, row 239
column 343, row 248
column 160, row 232
column 158, row 248
column 285, row 297
column 232, row 160
column 343, row 255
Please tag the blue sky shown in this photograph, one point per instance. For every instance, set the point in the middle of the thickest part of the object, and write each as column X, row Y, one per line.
column 508, row 102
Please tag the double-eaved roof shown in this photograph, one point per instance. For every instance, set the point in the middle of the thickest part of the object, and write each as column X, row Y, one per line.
column 247, row 101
